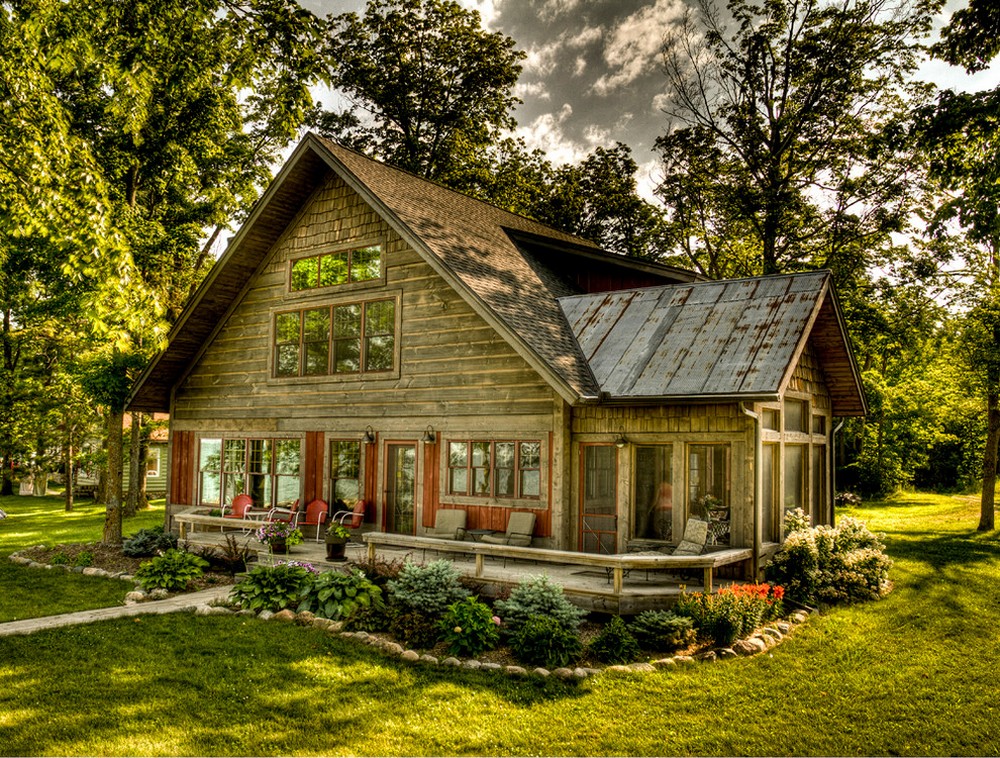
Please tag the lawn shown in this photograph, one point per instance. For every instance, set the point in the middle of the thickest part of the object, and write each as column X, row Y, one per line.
column 29, row 593
column 914, row 674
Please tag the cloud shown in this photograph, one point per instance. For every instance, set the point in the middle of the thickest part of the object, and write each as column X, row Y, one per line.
column 532, row 91
column 547, row 133
column 487, row 10
column 543, row 60
column 634, row 45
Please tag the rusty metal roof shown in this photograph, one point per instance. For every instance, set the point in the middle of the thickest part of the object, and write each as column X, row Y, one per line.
column 726, row 339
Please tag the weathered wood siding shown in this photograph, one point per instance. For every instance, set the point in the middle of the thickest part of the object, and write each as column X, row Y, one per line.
column 453, row 371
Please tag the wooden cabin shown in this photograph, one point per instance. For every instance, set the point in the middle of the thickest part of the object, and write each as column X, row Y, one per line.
column 368, row 334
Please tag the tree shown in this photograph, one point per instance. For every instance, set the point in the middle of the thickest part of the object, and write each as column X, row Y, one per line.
column 432, row 87
column 801, row 107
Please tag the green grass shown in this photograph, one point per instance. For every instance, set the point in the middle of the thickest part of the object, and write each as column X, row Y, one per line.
column 30, row 593
column 914, row 674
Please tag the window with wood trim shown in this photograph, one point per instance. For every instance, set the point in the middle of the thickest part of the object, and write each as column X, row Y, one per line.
column 266, row 469
column 709, row 489
column 345, row 472
column 153, row 463
column 494, row 468
column 348, row 338
column 361, row 264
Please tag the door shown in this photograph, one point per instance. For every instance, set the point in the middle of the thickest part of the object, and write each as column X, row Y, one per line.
column 598, row 501
column 400, row 493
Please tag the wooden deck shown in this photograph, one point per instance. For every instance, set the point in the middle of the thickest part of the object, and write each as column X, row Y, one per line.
column 623, row 584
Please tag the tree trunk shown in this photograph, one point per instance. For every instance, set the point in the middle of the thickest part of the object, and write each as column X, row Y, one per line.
column 113, row 480
column 69, row 472
column 990, row 462
column 6, row 477
column 136, row 469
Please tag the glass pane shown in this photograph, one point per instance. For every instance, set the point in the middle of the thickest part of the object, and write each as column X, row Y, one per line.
column 347, row 356
column 379, row 353
column 366, row 263
column 818, row 483
column 317, row 325
column 345, row 459
column 599, row 479
column 480, row 453
column 260, row 456
column 259, row 489
column 286, row 457
column 769, row 419
column 654, row 492
column 286, row 327
column 287, row 360
column 347, row 321
column 458, row 454
column 531, row 454
column 288, row 490
column 333, row 269
column 380, row 317
column 304, row 273
column 317, row 358
column 504, row 452
column 769, row 502
column 529, row 483
column 209, row 488
column 795, row 416
column 346, row 490
column 819, row 424
column 480, row 481
column 236, row 454
column 794, row 477
column 210, row 455
column 458, row 483
column 233, row 485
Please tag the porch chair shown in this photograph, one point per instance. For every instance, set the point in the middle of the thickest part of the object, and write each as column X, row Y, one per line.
column 239, row 508
column 694, row 538
column 289, row 515
column 449, row 524
column 520, row 527
column 352, row 519
column 315, row 515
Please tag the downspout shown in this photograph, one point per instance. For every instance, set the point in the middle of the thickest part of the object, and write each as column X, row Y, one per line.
column 833, row 471
column 757, row 486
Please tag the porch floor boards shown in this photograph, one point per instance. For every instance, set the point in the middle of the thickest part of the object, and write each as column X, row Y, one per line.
column 590, row 588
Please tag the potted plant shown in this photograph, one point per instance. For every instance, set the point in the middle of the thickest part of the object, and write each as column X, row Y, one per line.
column 337, row 537
column 279, row 536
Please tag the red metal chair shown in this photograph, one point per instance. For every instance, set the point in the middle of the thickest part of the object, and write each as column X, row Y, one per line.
column 315, row 515
column 352, row 519
column 239, row 507
column 288, row 515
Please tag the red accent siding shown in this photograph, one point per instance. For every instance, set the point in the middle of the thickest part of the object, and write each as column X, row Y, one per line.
column 313, row 467
column 432, row 497
column 182, row 468
column 370, row 486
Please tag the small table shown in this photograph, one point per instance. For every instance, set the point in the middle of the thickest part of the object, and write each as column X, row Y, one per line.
column 478, row 534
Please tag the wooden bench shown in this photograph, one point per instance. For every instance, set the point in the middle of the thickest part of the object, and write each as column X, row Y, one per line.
column 618, row 565
column 192, row 521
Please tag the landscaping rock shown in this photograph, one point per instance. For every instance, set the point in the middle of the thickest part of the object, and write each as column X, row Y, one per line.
column 245, row 612
column 581, row 673
column 664, row 663
column 286, row 615
column 451, row 661
column 427, row 658
column 591, row 672
column 683, row 660
column 784, row 627
column 750, row 646
column 491, row 667
column 641, row 667
column 709, row 656
column 516, row 671
column 265, row 615
column 212, row 610
column 410, row 655
column 135, row 597
column 394, row 647
column 726, row 652
column 770, row 631
column 544, row 673
column 769, row 642
column 473, row 664
column 563, row 673
column 800, row 617
column 305, row 618
column 158, row 594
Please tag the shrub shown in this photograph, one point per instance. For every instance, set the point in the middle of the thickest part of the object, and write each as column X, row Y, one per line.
column 86, row 558
column 428, row 589
column 538, row 596
column 732, row 613
column 847, row 500
column 662, row 630
column 170, row 571
column 379, row 570
column 231, row 556
column 59, row 559
column 846, row 563
column 544, row 641
column 615, row 644
column 469, row 627
column 271, row 588
column 149, row 542
column 336, row 596
column 414, row 629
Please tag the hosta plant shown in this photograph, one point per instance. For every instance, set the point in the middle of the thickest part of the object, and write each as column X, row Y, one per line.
column 272, row 588
column 334, row 595
column 170, row 571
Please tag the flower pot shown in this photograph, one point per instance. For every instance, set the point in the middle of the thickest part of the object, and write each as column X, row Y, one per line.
column 335, row 548
column 278, row 546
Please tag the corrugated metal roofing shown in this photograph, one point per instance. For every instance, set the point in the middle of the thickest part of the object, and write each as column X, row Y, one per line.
column 738, row 338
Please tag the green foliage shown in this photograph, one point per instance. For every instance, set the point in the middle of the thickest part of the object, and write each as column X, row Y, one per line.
column 469, row 627
column 85, row 558
column 733, row 612
column 415, row 629
column 543, row 641
column 334, row 595
column 149, row 542
column 538, row 596
column 59, row 559
column 271, row 588
column 170, row 571
column 846, row 563
column 232, row 556
column 428, row 589
column 662, row 630
column 615, row 643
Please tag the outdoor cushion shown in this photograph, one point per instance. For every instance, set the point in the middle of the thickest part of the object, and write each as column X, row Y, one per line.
column 695, row 536
column 449, row 524
column 520, row 526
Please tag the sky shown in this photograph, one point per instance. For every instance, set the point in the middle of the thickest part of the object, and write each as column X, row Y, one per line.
column 591, row 76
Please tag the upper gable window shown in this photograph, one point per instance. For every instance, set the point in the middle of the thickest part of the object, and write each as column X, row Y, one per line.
column 362, row 264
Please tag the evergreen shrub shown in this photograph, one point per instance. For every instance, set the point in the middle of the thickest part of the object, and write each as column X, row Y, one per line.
column 615, row 643
column 544, row 641
column 538, row 596
column 149, row 542
column 428, row 589
column 662, row 630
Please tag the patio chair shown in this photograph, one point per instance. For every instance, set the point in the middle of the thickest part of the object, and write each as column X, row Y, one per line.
column 240, row 508
column 289, row 515
column 352, row 519
column 520, row 527
column 449, row 524
column 315, row 515
column 694, row 538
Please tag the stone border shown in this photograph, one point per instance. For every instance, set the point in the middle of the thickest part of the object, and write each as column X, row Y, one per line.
column 85, row 570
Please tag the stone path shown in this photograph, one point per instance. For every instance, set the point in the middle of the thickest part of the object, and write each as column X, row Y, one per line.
column 189, row 602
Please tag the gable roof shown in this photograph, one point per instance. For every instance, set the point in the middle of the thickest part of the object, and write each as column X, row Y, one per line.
column 734, row 339
column 508, row 267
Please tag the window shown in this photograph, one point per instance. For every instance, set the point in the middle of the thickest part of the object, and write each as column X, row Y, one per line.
column 153, row 463
column 265, row 469
column 818, row 483
column 506, row 469
column 654, row 492
column 708, row 489
column 796, row 416
column 819, row 424
column 769, row 490
column 769, row 419
column 351, row 338
column 795, row 478
column 362, row 264
column 345, row 472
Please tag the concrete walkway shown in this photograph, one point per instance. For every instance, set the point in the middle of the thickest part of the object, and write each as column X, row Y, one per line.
column 189, row 602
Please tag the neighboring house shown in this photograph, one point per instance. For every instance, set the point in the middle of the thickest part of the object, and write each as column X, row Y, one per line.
column 157, row 454
column 371, row 335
